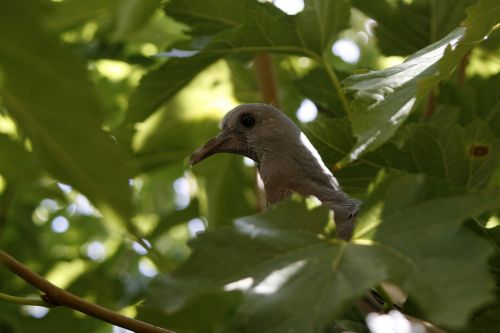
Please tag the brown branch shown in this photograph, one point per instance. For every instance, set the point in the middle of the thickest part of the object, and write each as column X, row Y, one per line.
column 57, row 296
column 431, row 104
column 268, row 84
column 267, row 79
column 463, row 67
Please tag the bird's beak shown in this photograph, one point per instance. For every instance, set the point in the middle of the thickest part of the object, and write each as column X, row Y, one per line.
column 225, row 142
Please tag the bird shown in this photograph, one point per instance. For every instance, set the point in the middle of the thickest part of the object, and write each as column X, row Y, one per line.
column 286, row 160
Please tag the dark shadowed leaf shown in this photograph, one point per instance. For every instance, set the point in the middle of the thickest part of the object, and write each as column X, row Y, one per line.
column 331, row 137
column 68, row 14
column 463, row 156
column 274, row 257
column 315, row 86
column 208, row 17
column 440, row 273
column 212, row 310
column 16, row 164
column 477, row 98
column 63, row 120
column 132, row 15
column 403, row 28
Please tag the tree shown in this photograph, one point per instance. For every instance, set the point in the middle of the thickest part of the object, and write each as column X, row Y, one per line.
column 101, row 103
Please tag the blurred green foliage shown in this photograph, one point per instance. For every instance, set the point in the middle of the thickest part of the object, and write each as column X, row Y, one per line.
column 102, row 102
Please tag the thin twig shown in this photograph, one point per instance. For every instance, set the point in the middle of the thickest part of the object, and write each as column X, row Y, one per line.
column 24, row 301
column 336, row 84
column 59, row 297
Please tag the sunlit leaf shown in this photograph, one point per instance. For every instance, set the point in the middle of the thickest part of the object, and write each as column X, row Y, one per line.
column 385, row 98
column 480, row 20
column 263, row 29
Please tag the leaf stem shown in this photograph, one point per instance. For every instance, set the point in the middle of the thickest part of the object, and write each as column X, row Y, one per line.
column 24, row 301
column 57, row 296
column 336, row 83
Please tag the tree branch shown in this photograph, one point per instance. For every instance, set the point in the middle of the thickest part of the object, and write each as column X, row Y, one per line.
column 462, row 67
column 56, row 296
column 430, row 108
column 267, row 79
column 268, row 84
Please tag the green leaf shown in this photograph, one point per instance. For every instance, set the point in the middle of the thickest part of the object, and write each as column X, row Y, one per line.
column 404, row 28
column 314, row 85
column 16, row 164
column 45, row 89
column 225, row 188
column 263, row 29
column 212, row 310
column 320, row 21
column 208, row 17
column 421, row 225
column 151, row 152
column 409, row 233
column 463, row 156
column 385, row 98
column 274, row 256
column 161, row 84
column 477, row 98
column 132, row 15
column 71, row 13
column 331, row 137
column 481, row 18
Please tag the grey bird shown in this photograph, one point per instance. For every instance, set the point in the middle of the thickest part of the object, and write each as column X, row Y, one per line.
column 286, row 160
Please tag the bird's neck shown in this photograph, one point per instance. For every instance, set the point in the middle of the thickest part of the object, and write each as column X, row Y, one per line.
column 283, row 174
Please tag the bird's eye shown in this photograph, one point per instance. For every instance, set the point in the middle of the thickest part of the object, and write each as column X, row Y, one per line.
column 247, row 120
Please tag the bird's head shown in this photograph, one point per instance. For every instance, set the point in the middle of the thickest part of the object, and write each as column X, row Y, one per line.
column 251, row 130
